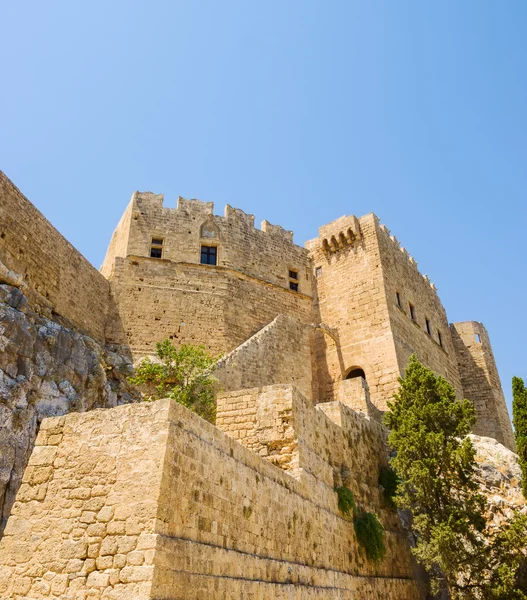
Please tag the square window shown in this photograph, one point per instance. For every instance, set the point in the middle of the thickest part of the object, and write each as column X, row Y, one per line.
column 318, row 271
column 293, row 274
column 209, row 255
column 293, row 286
column 157, row 241
column 156, row 252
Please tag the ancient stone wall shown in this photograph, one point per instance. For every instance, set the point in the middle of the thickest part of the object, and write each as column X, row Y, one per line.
column 46, row 369
column 59, row 281
column 481, row 381
column 423, row 329
column 278, row 353
column 351, row 302
column 266, row 254
column 378, row 308
column 176, row 296
column 85, row 515
column 196, row 304
column 185, row 512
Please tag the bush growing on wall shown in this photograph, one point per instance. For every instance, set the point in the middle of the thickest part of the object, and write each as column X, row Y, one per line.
column 183, row 374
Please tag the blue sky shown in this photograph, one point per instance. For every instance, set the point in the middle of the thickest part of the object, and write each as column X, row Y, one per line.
column 296, row 111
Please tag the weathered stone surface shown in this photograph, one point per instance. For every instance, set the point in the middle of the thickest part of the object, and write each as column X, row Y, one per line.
column 46, row 370
column 499, row 476
column 187, row 512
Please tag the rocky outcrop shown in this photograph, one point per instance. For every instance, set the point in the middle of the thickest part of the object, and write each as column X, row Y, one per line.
column 46, row 369
column 499, row 477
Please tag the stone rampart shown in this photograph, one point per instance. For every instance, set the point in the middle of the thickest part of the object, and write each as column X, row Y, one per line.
column 149, row 501
column 266, row 254
column 481, row 381
column 196, row 304
column 59, row 281
column 278, row 353
column 46, row 369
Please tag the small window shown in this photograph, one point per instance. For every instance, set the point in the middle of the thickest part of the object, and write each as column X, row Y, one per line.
column 398, row 298
column 209, row 255
column 318, row 271
column 293, row 286
column 477, row 337
column 156, row 248
column 412, row 311
column 428, row 328
column 439, row 338
column 293, row 274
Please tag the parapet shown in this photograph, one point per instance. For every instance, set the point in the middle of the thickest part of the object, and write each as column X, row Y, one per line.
column 337, row 235
column 277, row 231
column 163, row 504
column 391, row 239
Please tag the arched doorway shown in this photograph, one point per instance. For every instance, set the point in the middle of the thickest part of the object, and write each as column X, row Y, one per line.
column 356, row 372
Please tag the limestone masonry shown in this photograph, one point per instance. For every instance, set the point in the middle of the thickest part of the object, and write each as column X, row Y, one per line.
column 148, row 501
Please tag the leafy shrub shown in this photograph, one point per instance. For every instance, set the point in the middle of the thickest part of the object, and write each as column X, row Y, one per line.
column 369, row 531
column 388, row 480
column 346, row 501
column 183, row 374
column 370, row 535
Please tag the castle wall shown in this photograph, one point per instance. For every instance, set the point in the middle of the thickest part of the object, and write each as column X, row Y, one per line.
column 434, row 349
column 196, row 304
column 150, row 501
column 278, row 353
column 351, row 302
column 58, row 280
column 481, row 381
column 359, row 277
column 85, row 515
column 266, row 254
column 177, row 297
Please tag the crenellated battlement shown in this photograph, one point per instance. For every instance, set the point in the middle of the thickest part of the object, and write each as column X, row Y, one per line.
column 411, row 260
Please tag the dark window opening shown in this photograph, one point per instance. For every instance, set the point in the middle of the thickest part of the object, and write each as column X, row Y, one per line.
column 156, row 249
column 356, row 372
column 293, row 274
column 412, row 311
column 293, row 286
column 439, row 338
column 209, row 255
column 428, row 329
column 398, row 296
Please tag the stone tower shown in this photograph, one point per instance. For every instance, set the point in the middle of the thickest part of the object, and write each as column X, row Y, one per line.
column 481, row 382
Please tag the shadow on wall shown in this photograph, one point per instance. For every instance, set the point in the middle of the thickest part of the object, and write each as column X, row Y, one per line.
column 326, row 341
column 492, row 415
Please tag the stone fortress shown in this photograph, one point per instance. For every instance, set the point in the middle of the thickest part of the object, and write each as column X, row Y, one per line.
column 143, row 500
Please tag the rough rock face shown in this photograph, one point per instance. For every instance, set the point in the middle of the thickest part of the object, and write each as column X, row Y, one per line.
column 499, row 476
column 46, row 370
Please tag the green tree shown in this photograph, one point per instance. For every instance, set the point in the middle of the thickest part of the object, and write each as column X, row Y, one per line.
column 183, row 374
column 435, row 463
column 519, row 415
